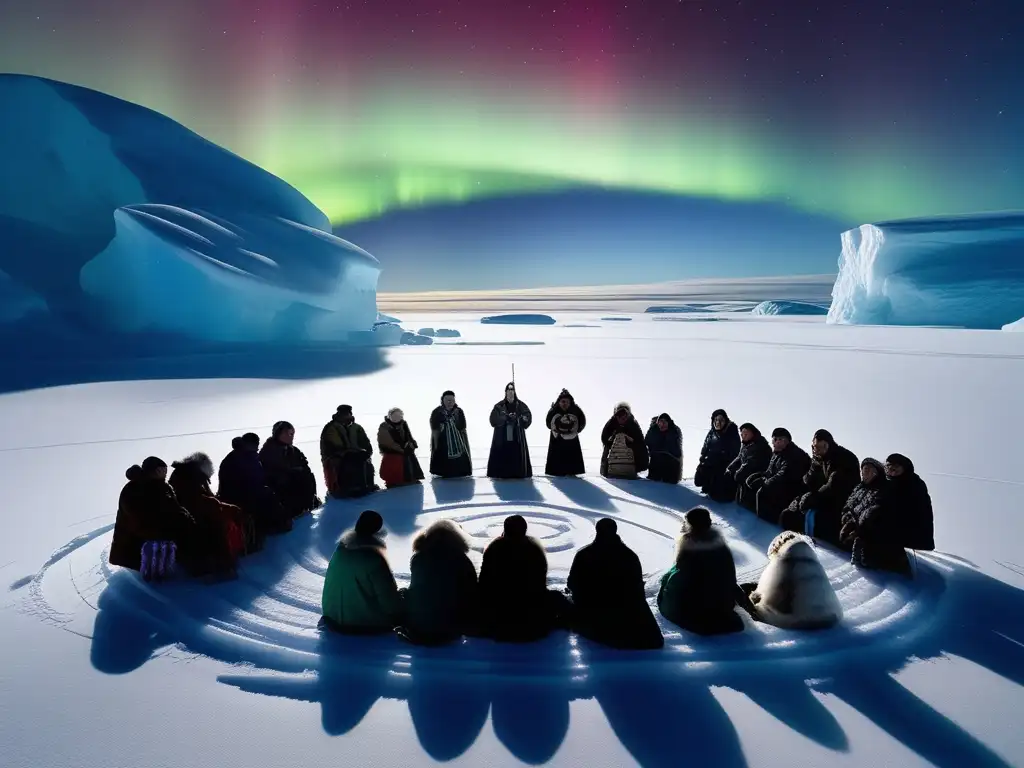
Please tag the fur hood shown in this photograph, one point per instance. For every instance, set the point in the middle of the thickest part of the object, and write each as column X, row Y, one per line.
column 353, row 540
column 689, row 541
column 780, row 541
column 623, row 406
column 797, row 548
column 441, row 534
column 198, row 461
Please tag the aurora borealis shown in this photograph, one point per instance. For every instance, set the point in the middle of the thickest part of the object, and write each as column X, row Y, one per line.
column 858, row 110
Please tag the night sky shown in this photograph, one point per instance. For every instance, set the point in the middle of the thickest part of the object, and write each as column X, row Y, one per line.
column 856, row 111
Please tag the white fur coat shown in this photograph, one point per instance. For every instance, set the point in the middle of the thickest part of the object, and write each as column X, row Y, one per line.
column 794, row 591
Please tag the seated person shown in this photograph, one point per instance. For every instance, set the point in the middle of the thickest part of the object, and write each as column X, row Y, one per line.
column 345, row 451
column 625, row 452
column 516, row 605
column 721, row 446
column 833, row 475
column 287, row 471
column 783, row 481
column 909, row 496
column 241, row 481
column 606, row 587
column 148, row 511
column 753, row 459
column 360, row 594
column 398, row 463
column 443, row 599
column 699, row 592
column 665, row 443
column 794, row 591
column 220, row 540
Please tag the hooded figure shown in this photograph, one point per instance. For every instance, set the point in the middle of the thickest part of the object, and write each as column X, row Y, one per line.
column 699, row 592
column 606, row 585
column 346, row 451
column 287, row 471
column 833, row 475
column 398, row 462
column 219, row 537
column 870, row 526
column 242, row 482
column 566, row 420
column 625, row 453
column 721, row 446
column 148, row 510
column 665, row 442
column 783, row 480
column 516, row 605
column 908, row 495
column 510, row 455
column 360, row 594
column 449, row 443
column 794, row 591
column 443, row 599
column 753, row 459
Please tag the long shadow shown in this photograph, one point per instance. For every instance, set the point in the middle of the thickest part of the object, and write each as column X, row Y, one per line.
column 448, row 711
column 123, row 640
column 583, row 493
column 458, row 490
column 398, row 506
column 531, row 717
column 512, row 491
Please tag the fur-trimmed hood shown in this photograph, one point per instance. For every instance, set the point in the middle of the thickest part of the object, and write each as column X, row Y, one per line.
column 441, row 534
column 196, row 461
column 689, row 541
column 780, row 541
column 353, row 540
column 622, row 406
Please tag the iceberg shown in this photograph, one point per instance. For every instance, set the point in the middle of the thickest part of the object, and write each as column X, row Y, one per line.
column 962, row 271
column 116, row 219
column 1017, row 326
column 788, row 308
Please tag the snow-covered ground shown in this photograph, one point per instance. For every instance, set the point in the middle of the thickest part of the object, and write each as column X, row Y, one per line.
column 100, row 669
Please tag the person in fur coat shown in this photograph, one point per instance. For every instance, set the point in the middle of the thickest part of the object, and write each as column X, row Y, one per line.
column 665, row 442
column 794, row 591
column 566, row 420
column 721, row 446
column 606, row 587
column 516, row 605
column 443, row 600
column 449, row 442
column 625, row 453
column 360, row 594
column 398, row 464
column 699, row 591
column 220, row 539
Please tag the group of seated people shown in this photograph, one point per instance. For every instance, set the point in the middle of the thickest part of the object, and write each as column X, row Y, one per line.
column 165, row 521
column 604, row 597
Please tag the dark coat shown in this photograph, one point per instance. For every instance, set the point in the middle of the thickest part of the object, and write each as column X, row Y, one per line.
column 752, row 460
column 147, row 510
column 870, row 529
column 345, row 451
column 449, row 443
column 565, row 455
column 782, row 481
column 398, row 465
column 515, row 605
column 211, row 549
column 242, row 481
column 718, row 451
column 699, row 592
column 443, row 600
column 666, row 452
column 289, row 476
column 641, row 458
column 606, row 584
column 510, row 455
column 908, row 495
column 830, row 480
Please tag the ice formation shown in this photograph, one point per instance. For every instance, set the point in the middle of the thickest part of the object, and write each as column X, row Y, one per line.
column 518, row 320
column 965, row 271
column 788, row 308
column 117, row 217
column 1017, row 326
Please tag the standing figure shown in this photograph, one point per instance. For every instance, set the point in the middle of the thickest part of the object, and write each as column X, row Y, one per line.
column 449, row 444
column 287, row 471
column 721, row 446
column 625, row 452
column 398, row 462
column 665, row 442
column 510, row 455
column 565, row 420
column 345, row 451
column 753, row 459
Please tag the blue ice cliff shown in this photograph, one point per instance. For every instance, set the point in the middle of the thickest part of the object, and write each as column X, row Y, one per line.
column 118, row 219
column 962, row 271
column 788, row 308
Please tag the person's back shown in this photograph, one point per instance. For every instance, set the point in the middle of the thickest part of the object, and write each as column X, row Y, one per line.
column 513, row 585
column 794, row 591
column 147, row 510
column 442, row 601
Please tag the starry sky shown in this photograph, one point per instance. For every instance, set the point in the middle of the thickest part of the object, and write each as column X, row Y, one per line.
column 844, row 112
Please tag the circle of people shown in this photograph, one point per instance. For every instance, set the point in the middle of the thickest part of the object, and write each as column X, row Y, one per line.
column 873, row 511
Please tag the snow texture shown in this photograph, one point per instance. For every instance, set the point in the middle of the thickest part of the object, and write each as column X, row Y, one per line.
column 962, row 271
column 788, row 308
column 112, row 215
column 1017, row 326
column 518, row 320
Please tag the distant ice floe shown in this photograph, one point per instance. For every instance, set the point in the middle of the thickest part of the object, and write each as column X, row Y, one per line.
column 961, row 271
column 788, row 308
column 518, row 320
